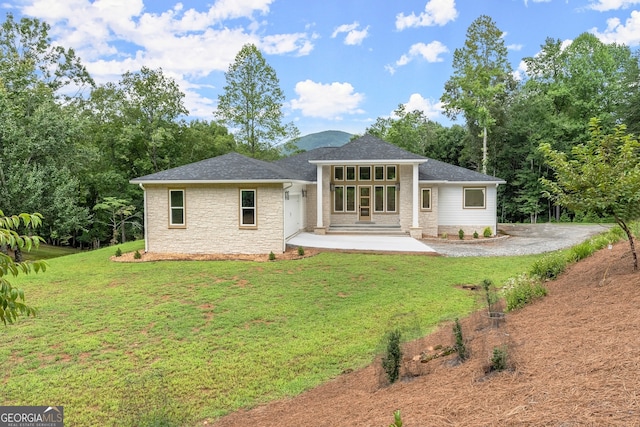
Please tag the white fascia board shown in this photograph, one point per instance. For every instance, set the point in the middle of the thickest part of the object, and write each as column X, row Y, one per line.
column 236, row 181
column 464, row 182
column 367, row 162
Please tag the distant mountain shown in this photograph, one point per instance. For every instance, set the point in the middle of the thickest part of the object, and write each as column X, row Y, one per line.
column 328, row 138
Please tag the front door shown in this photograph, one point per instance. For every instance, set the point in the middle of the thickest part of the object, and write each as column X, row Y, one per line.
column 364, row 204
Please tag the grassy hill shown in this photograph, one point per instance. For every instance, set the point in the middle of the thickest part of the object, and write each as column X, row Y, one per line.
column 329, row 138
column 189, row 341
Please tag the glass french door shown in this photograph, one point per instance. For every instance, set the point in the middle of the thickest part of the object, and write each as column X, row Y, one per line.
column 364, row 203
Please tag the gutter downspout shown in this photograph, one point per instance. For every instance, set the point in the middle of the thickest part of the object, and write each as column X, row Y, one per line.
column 284, row 216
column 144, row 204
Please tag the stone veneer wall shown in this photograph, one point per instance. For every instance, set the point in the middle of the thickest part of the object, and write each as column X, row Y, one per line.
column 429, row 219
column 405, row 203
column 212, row 220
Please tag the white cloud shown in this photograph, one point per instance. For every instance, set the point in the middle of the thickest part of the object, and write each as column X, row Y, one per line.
column 299, row 43
column 515, row 47
column 606, row 5
column 436, row 12
column 616, row 32
column 430, row 52
column 115, row 36
column 431, row 109
column 354, row 36
column 328, row 101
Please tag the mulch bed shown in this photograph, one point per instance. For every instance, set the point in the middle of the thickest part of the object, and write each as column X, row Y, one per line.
column 574, row 360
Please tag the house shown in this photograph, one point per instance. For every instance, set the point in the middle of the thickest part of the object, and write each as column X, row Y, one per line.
column 236, row 204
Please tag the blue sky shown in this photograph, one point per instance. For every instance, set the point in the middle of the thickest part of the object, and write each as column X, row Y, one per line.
column 341, row 63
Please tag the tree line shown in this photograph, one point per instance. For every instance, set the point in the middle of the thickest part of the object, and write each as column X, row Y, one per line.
column 68, row 147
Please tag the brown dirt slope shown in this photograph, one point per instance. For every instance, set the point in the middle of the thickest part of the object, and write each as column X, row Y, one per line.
column 574, row 357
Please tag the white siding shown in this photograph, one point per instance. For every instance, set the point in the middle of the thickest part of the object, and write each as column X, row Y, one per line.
column 294, row 210
column 452, row 216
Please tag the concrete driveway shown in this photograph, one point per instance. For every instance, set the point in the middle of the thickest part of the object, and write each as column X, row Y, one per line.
column 359, row 242
column 519, row 239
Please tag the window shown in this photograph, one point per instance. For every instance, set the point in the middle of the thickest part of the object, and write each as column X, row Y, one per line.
column 351, row 198
column 391, row 198
column 378, row 196
column 378, row 173
column 176, row 208
column 391, row 173
column 426, row 199
column 338, row 199
column 474, row 198
column 365, row 173
column 351, row 173
column 248, row 206
column 338, row 173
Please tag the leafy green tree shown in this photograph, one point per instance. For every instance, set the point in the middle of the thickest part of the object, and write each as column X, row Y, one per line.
column 200, row 139
column 252, row 104
column 603, row 176
column 120, row 213
column 40, row 126
column 481, row 79
column 414, row 132
column 11, row 298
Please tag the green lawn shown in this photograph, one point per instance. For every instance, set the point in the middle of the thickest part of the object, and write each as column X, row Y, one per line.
column 207, row 338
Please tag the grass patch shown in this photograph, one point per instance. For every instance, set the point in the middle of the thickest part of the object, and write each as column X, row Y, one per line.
column 224, row 335
column 48, row 251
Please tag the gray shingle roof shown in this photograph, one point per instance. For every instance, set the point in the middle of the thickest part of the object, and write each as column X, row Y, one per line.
column 435, row 170
column 237, row 167
column 228, row 167
column 369, row 147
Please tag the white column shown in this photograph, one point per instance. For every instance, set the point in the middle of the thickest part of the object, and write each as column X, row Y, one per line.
column 416, row 198
column 319, row 196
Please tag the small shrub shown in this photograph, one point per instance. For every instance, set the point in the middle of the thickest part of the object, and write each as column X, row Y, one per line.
column 521, row 290
column 137, row 255
column 393, row 356
column 397, row 419
column 460, row 347
column 487, row 232
column 272, row 256
column 499, row 358
column 300, row 251
column 475, row 235
column 580, row 251
column 118, row 252
column 445, row 236
column 461, row 234
column 549, row 266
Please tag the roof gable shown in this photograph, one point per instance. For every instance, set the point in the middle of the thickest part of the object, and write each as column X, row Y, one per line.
column 367, row 148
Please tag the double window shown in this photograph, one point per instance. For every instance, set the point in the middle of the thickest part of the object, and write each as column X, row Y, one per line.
column 177, row 217
column 248, row 208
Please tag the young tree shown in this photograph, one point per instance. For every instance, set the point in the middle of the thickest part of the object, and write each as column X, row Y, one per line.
column 12, row 299
column 603, row 177
column 252, row 104
column 120, row 213
column 481, row 79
